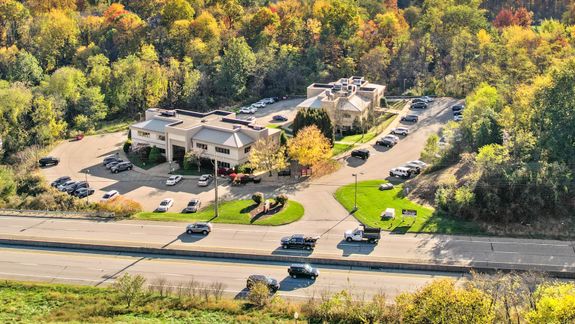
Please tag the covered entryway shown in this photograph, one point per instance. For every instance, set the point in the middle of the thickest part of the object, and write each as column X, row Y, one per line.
column 178, row 153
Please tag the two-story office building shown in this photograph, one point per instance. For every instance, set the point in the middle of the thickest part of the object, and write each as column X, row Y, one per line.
column 345, row 100
column 216, row 134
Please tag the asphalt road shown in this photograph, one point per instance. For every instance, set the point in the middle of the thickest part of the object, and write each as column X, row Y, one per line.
column 95, row 269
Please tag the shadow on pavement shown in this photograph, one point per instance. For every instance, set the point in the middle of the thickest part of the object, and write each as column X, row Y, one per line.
column 190, row 238
column 290, row 284
column 349, row 248
column 380, row 148
column 292, row 252
column 354, row 162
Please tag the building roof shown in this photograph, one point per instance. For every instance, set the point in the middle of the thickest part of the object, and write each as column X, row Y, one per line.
column 155, row 125
column 226, row 138
column 353, row 103
column 313, row 102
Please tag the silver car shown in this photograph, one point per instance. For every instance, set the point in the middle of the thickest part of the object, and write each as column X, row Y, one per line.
column 199, row 227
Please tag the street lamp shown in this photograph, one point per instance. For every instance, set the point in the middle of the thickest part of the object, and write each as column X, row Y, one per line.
column 355, row 194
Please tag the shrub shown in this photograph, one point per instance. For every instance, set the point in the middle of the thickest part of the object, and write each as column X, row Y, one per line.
column 143, row 153
column 127, row 146
column 258, row 197
column 155, row 155
column 259, row 295
column 129, row 288
column 281, row 199
column 121, row 206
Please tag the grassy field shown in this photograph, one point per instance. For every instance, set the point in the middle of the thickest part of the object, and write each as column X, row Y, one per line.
column 231, row 212
column 49, row 303
column 339, row 148
column 135, row 159
column 347, row 143
column 112, row 126
column 372, row 202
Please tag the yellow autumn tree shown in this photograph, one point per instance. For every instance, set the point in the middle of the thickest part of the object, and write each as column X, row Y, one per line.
column 310, row 147
column 267, row 155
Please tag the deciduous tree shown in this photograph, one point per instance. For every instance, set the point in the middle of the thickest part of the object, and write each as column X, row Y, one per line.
column 267, row 155
column 309, row 147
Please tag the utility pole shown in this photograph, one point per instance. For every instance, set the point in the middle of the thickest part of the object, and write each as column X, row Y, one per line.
column 87, row 194
column 355, row 194
column 216, row 183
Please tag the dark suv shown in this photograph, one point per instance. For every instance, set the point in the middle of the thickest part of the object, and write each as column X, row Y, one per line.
column 60, row 181
column 49, row 160
column 361, row 153
column 410, row 118
column 122, row 166
column 303, row 270
column 385, row 142
column 419, row 105
column 73, row 187
column 272, row 284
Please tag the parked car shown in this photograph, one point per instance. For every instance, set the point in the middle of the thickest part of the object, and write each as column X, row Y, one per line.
column 60, row 181
column 428, row 98
column 268, row 101
column 193, row 206
column 392, row 138
column 271, row 283
column 110, row 195
column 111, row 158
column 77, row 185
column 418, row 100
column 284, row 173
column 458, row 107
column 363, row 233
column 303, row 270
column 419, row 105
column 205, row 180
column 410, row 118
column 251, row 119
column 114, row 163
column 199, row 227
column 259, row 104
column 253, row 109
column 247, row 178
column 299, row 241
column 400, row 131
column 458, row 118
column 360, row 153
column 386, row 186
column 84, row 192
column 420, row 163
column 414, row 167
column 173, row 180
column 246, row 110
column 63, row 186
column 122, row 166
column 281, row 118
column 165, row 205
column 401, row 172
column 49, row 160
column 385, row 142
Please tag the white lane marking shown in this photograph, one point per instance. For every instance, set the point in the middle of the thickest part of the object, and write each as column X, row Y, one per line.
column 29, row 264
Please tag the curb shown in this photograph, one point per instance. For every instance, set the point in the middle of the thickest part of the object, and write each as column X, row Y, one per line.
column 484, row 267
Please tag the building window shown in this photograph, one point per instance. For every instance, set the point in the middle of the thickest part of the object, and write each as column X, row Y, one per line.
column 222, row 150
column 247, row 149
column 162, row 137
column 346, row 116
column 223, row 164
column 201, row 146
column 143, row 134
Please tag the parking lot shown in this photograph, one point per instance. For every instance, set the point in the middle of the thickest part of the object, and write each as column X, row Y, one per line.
column 287, row 108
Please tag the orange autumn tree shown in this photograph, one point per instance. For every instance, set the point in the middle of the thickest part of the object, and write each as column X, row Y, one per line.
column 310, row 147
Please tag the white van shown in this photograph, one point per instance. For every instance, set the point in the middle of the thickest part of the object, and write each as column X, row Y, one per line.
column 401, row 172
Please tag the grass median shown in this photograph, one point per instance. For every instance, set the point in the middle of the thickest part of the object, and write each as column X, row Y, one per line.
column 231, row 212
column 371, row 202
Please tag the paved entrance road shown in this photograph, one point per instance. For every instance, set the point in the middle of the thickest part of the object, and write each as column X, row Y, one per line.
column 101, row 270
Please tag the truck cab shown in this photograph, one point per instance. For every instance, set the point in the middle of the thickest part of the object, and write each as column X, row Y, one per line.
column 361, row 233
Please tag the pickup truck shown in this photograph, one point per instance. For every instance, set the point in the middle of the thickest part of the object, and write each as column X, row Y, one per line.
column 299, row 241
column 362, row 233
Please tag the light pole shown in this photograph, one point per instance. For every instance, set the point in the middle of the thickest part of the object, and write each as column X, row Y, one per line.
column 216, row 183
column 355, row 194
column 87, row 193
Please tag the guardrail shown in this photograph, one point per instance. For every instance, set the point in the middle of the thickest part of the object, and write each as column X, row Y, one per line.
column 55, row 213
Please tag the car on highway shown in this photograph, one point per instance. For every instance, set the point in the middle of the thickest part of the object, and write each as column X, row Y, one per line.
column 173, row 180
column 204, row 228
column 401, row 172
column 205, row 180
column 360, row 153
column 410, row 118
column 385, row 142
column 193, row 206
column 60, row 181
column 84, row 192
column 303, row 270
column 363, row 233
column 48, row 160
column 280, row 118
column 63, row 186
column 299, row 241
column 271, row 283
column 419, row 105
column 400, row 131
column 165, row 205
column 110, row 195
column 122, row 166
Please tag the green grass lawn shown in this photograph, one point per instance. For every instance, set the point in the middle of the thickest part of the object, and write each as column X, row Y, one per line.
column 231, row 212
column 135, row 159
column 358, row 138
column 339, row 148
column 112, row 126
column 384, row 121
column 372, row 202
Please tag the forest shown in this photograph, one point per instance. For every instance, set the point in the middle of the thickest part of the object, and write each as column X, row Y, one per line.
column 67, row 66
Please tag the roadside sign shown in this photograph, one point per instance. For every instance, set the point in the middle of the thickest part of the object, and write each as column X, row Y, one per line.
column 409, row 213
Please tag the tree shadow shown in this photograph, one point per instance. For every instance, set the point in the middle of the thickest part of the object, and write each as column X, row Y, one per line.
column 249, row 209
column 400, row 229
column 349, row 248
column 290, row 284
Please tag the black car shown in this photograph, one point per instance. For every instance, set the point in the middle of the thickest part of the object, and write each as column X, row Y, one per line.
column 65, row 185
column 419, row 105
column 361, row 153
column 458, row 113
column 418, row 100
column 122, row 166
column 410, row 118
column 284, row 173
column 77, row 185
column 455, row 108
column 84, row 192
column 385, row 142
column 60, row 181
column 272, row 284
column 49, row 160
column 299, row 241
column 280, row 118
column 303, row 270
column 111, row 159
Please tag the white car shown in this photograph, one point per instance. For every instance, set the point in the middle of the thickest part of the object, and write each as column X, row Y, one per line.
column 173, row 180
column 246, row 110
column 401, row 172
column 205, row 180
column 458, row 117
column 259, row 104
column 165, row 205
column 400, row 131
column 427, row 98
column 420, row 163
column 392, row 138
column 268, row 101
column 112, row 194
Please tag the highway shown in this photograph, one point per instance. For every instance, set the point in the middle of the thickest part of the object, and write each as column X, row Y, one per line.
column 95, row 269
